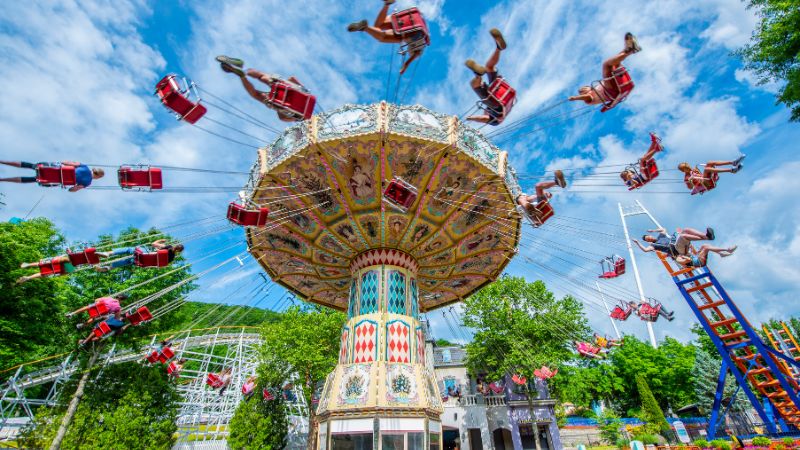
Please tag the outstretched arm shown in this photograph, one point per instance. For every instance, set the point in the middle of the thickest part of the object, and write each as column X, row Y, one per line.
column 647, row 249
column 159, row 244
column 408, row 62
column 655, row 230
column 70, row 163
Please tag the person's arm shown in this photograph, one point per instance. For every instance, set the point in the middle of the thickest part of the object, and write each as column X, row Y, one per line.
column 647, row 249
column 159, row 244
column 70, row 163
column 408, row 62
column 656, row 230
column 76, row 188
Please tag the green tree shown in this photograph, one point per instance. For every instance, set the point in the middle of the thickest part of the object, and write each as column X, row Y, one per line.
column 258, row 424
column 774, row 50
column 609, row 426
column 128, row 406
column 520, row 326
column 705, row 374
column 651, row 412
column 304, row 343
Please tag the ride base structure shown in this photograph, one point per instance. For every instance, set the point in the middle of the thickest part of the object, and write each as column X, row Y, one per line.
column 384, row 212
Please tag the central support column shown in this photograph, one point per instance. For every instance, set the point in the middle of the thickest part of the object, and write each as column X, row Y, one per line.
column 381, row 394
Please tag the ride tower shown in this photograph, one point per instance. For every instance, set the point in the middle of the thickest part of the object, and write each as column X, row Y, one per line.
column 383, row 212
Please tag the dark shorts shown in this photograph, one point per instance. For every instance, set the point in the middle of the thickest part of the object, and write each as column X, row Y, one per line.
column 492, row 108
column 114, row 324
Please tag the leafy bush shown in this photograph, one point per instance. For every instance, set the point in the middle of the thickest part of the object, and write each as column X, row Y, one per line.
column 787, row 441
column 780, row 447
column 623, row 443
column 720, row 444
column 761, row 441
column 647, row 438
column 609, row 426
column 702, row 443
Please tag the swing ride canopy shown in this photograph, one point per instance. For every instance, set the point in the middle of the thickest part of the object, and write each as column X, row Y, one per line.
column 323, row 182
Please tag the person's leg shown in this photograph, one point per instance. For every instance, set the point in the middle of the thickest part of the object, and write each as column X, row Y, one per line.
column 655, row 147
column 381, row 29
column 25, row 278
column 19, row 179
column 542, row 186
column 491, row 63
column 584, row 95
column 248, row 86
column 695, row 235
column 22, row 164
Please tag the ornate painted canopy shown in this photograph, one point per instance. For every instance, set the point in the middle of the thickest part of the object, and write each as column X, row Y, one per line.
column 323, row 181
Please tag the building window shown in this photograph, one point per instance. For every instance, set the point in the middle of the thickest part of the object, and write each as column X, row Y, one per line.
column 434, row 439
column 446, row 357
column 398, row 440
column 351, row 441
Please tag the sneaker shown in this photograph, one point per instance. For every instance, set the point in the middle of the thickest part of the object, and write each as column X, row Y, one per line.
column 69, row 314
column 231, row 69
column 357, row 26
column 631, row 44
column 738, row 161
column 737, row 168
column 498, row 38
column 236, row 62
column 710, row 233
column 559, row 177
column 80, row 325
column 478, row 69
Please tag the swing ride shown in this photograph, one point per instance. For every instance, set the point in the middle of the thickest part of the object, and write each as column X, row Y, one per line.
column 385, row 212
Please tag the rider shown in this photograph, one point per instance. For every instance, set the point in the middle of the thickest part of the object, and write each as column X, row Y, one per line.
column 494, row 112
column 382, row 31
column 604, row 342
column 127, row 254
column 701, row 258
column 607, row 89
column 249, row 386
column 65, row 267
column 83, row 173
column 633, row 179
column 111, row 304
column 235, row 66
column 114, row 322
column 588, row 350
column 529, row 202
column 676, row 244
column 693, row 176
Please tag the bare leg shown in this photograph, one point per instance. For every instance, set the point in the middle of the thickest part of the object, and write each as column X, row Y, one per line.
column 379, row 30
column 248, row 86
column 483, row 118
column 651, row 152
column 23, row 279
column 18, row 180
column 12, row 163
column 690, row 234
column 491, row 63
column 612, row 63
column 542, row 186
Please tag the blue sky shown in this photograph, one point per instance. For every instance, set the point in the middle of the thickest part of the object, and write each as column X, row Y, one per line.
column 78, row 84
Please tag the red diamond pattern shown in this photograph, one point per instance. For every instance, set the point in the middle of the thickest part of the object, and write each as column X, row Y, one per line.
column 398, row 347
column 343, row 349
column 365, row 342
column 420, row 347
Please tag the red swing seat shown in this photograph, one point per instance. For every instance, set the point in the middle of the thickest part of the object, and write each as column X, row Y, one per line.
column 707, row 184
column 285, row 96
column 152, row 357
column 411, row 26
column 142, row 177
column 616, row 88
column 621, row 313
column 177, row 99
column 84, row 257
column 214, row 381
column 51, row 268
column 504, row 94
column 649, row 171
column 57, row 175
column 102, row 330
column 165, row 354
column 544, row 211
column 97, row 310
column 612, row 267
column 139, row 316
column 158, row 258
column 239, row 215
column 267, row 395
column 173, row 370
column 648, row 312
column 519, row 379
column 400, row 194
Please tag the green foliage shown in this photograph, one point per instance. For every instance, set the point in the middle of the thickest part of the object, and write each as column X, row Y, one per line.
column 666, row 368
column 705, row 374
column 774, row 50
column 303, row 342
column 258, row 424
column 623, row 443
column 609, row 426
column 651, row 412
column 787, row 441
column 444, row 343
column 761, row 441
column 702, row 443
column 720, row 444
column 646, row 438
column 520, row 326
column 129, row 406
column 31, row 314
